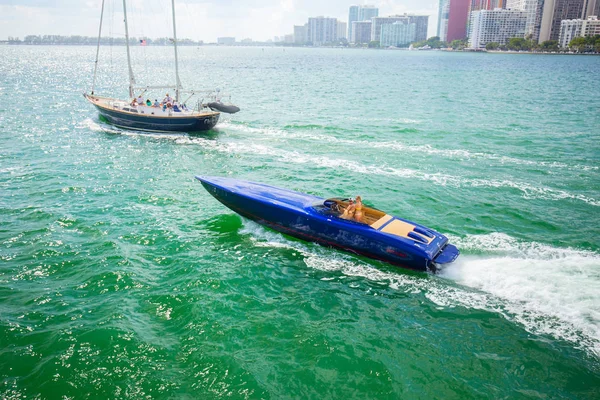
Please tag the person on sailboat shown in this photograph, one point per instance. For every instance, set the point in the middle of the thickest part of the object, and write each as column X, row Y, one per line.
column 168, row 99
column 156, row 103
column 140, row 100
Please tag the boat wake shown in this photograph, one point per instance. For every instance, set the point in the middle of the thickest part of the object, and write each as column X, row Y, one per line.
column 549, row 291
column 111, row 129
column 528, row 191
column 459, row 154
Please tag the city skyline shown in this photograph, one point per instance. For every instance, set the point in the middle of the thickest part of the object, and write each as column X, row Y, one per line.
column 196, row 19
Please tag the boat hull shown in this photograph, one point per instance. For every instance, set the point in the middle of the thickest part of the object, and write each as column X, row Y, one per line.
column 300, row 215
column 152, row 123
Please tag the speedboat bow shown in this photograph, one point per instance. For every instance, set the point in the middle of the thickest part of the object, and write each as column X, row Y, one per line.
column 379, row 235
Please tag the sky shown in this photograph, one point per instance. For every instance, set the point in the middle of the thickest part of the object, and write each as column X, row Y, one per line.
column 259, row 20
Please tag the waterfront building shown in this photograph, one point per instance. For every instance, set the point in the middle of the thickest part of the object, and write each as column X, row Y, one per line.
column 592, row 8
column 590, row 26
column 477, row 5
column 321, row 30
column 555, row 11
column 569, row 29
column 572, row 28
column 360, row 13
column 534, row 9
column 227, row 41
column 377, row 22
column 497, row 26
column 443, row 12
column 361, row 31
column 300, row 34
column 398, row 34
column 365, row 13
column 420, row 21
column 352, row 17
column 453, row 20
column 341, row 30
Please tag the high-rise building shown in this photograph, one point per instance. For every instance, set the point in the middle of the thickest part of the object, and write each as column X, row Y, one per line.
column 398, row 34
column 361, row 32
column 497, row 26
column 360, row 13
column 591, row 26
column 534, row 9
column 421, row 22
column 321, row 30
column 555, row 11
column 367, row 12
column 443, row 13
column 477, row 5
column 569, row 29
column 300, row 34
column 379, row 21
column 341, row 30
column 352, row 17
column 572, row 28
column 591, row 8
column 458, row 15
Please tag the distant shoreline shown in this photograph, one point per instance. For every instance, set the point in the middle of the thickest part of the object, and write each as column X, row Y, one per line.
column 552, row 53
column 258, row 44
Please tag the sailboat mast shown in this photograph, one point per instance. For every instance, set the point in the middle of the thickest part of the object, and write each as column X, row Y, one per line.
column 98, row 47
column 131, row 77
column 178, row 82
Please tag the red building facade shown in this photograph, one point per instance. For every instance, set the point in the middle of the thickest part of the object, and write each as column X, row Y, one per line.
column 458, row 17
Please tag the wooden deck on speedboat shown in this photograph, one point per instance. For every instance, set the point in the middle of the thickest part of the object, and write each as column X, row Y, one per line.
column 386, row 223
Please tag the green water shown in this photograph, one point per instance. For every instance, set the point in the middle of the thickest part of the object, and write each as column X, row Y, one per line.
column 121, row 277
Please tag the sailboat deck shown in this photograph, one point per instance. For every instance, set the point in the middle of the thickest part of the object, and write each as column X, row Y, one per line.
column 149, row 111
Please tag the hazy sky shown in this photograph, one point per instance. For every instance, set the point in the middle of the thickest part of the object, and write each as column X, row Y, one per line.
column 196, row 19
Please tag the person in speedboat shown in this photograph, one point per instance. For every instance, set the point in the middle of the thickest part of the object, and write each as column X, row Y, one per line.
column 349, row 211
column 358, row 206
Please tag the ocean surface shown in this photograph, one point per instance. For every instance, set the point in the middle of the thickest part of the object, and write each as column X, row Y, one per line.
column 122, row 278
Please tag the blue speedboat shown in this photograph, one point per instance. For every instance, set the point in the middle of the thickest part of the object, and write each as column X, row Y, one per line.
column 379, row 236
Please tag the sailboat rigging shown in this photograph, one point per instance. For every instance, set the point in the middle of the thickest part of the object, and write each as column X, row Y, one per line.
column 168, row 116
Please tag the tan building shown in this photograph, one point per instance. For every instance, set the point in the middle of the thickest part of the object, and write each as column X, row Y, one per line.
column 556, row 11
column 590, row 26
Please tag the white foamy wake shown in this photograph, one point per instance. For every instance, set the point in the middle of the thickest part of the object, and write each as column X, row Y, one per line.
column 294, row 157
column 399, row 146
column 107, row 128
column 94, row 126
column 547, row 290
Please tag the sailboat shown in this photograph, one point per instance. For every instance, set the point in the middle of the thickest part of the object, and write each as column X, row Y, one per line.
column 169, row 116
